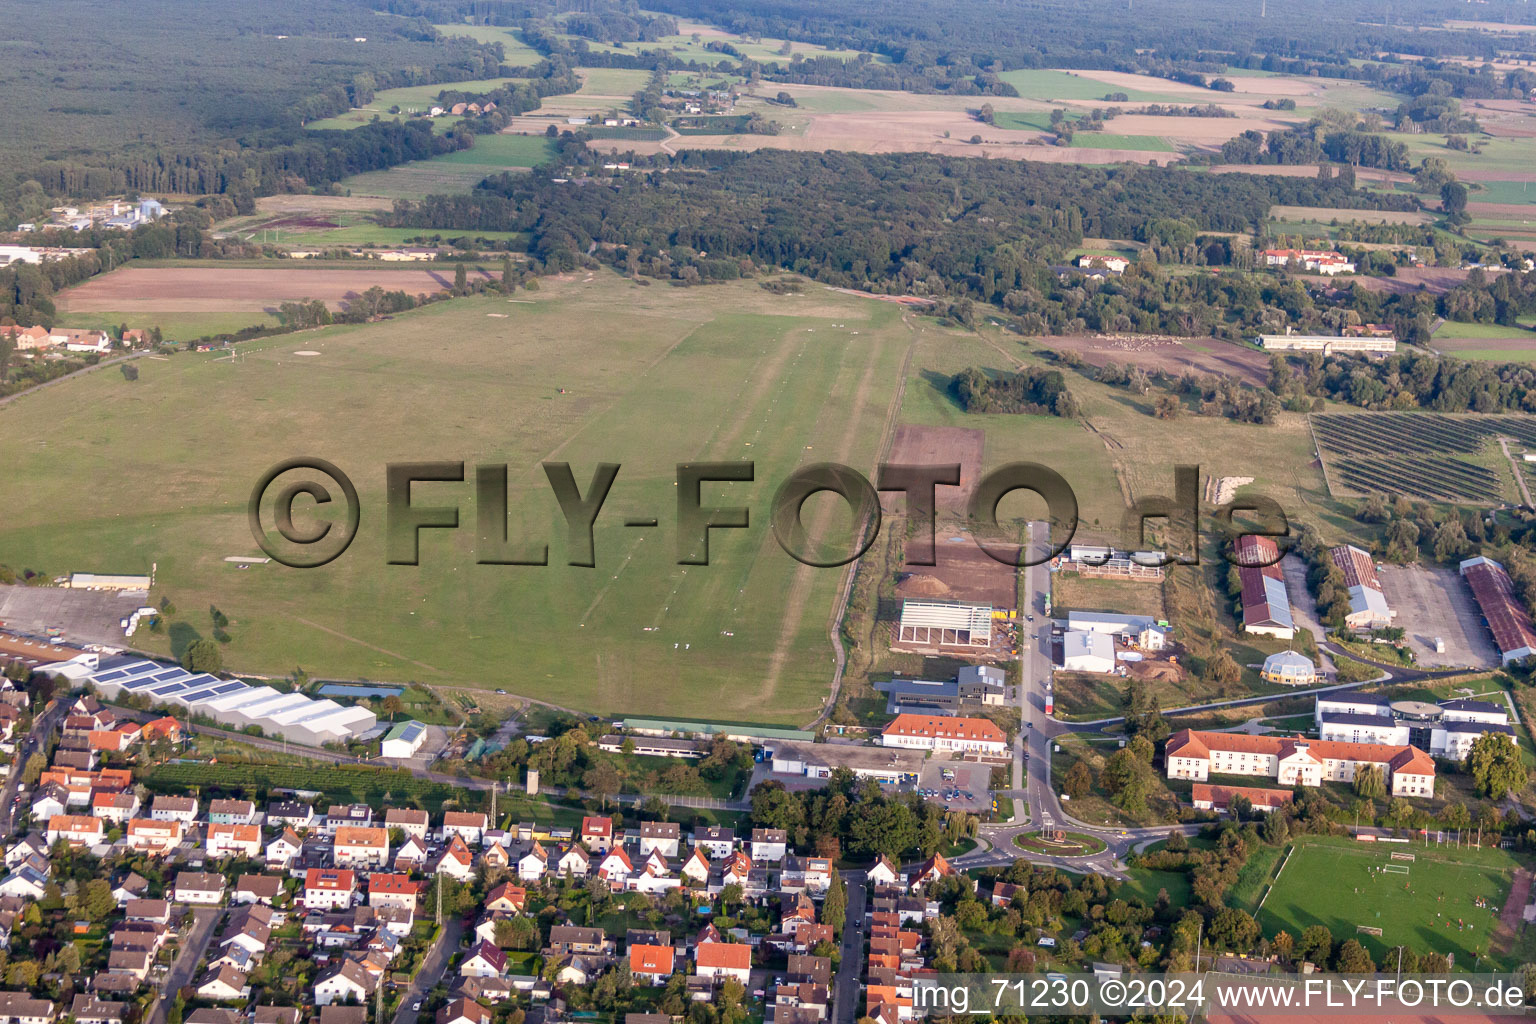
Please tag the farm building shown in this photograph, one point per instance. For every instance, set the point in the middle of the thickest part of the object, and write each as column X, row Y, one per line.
column 1507, row 617
column 1294, row 761
column 1266, row 607
column 1110, row 563
column 1083, row 651
column 291, row 716
column 404, row 740
column 740, row 733
column 1289, row 669
column 817, row 761
column 934, row 732
column 1367, row 604
column 1110, row 262
column 1327, row 344
column 945, row 624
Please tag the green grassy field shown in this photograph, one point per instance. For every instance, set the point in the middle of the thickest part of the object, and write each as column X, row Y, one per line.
column 652, row 377
column 1061, row 85
column 1502, row 192
column 1328, row 882
column 518, row 53
column 1109, row 140
column 1453, row 329
column 458, row 171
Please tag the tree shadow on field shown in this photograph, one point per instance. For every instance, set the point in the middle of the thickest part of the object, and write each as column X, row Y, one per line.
column 941, row 384
column 182, row 635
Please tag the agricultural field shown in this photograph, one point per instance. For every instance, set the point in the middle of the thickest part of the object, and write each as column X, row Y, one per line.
column 1425, row 455
column 459, row 171
column 589, row 371
column 1429, row 903
column 518, row 53
column 203, row 290
column 177, row 327
column 1325, row 215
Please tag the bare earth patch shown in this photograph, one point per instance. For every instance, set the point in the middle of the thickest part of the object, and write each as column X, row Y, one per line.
column 302, row 205
column 242, row 289
column 1435, row 280
column 1172, row 355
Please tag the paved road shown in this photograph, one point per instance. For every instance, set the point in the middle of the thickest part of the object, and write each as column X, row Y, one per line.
column 432, row 967
column 42, row 728
column 845, row 986
column 204, row 919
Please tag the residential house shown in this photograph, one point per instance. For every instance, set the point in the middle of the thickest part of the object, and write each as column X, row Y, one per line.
column 616, row 868
column 507, row 898
column 233, row 841
column 19, row 852
column 329, row 888
column 464, row 1011
column 344, row 982
column 156, row 838
column 532, row 864
column 223, row 984
column 565, row 938
column 87, row 1009
column 769, row 845
column 291, row 814
column 385, row 890
column 231, row 812
column 408, row 820
column 715, row 840
column 257, row 889
column 174, row 808
column 198, row 887
column 282, row 851
column 663, row 836
column 75, row 829
column 455, row 861
column 882, row 872
column 486, row 961
column 337, row 815
column 117, row 808
column 597, row 834
column 147, row 911
column 696, row 868
column 361, row 847
column 575, row 861
column 930, row 870
column 469, row 826
column 652, row 964
column 718, row 960
column 412, row 855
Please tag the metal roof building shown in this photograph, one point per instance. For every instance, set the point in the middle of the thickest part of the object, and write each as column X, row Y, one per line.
column 945, row 624
column 1266, row 606
column 236, row 705
column 1507, row 618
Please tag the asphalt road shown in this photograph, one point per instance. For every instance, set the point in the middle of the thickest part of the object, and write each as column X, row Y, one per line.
column 432, row 967
column 183, row 969
column 42, row 727
column 845, row 986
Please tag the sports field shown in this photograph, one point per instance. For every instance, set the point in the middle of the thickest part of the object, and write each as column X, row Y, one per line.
column 1432, row 906
column 108, row 472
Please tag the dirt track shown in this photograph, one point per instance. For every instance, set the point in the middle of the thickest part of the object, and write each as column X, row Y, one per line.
column 245, row 289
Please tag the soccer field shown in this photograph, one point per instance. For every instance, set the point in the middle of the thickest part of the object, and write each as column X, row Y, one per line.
column 108, row 473
column 1432, row 907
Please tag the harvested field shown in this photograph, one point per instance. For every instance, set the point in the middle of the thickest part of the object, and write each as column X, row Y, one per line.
column 1495, row 175
column 929, row 446
column 1198, row 131
column 307, row 205
column 1523, row 212
column 244, row 289
column 874, row 137
column 1173, row 355
column 964, row 573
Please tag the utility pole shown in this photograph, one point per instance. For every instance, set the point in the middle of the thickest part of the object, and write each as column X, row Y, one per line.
column 494, row 787
column 440, row 883
column 1199, row 935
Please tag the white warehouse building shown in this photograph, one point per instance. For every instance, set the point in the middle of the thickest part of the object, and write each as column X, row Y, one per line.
column 233, row 704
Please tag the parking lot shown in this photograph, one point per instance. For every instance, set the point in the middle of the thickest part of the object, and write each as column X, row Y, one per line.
column 1438, row 603
column 970, row 790
column 85, row 616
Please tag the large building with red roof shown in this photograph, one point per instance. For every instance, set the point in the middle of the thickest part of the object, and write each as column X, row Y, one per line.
column 1506, row 615
column 1294, row 761
column 940, row 732
column 1266, row 607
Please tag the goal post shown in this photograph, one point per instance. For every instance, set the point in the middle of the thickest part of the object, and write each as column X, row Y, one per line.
column 1395, row 869
column 1365, row 929
column 1403, row 856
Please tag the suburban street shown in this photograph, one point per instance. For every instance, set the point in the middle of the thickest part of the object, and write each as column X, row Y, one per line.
column 42, row 728
column 850, row 971
column 183, row 969
column 432, row 967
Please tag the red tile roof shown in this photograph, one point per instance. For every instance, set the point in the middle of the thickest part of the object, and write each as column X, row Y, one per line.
column 724, row 955
column 651, row 959
column 1221, row 796
column 929, row 726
